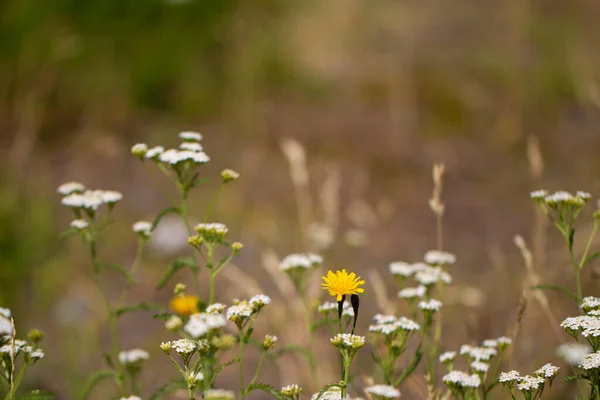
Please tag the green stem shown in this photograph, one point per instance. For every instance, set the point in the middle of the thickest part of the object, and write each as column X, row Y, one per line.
column 345, row 374
column 184, row 218
column 112, row 321
column 582, row 261
column 213, row 202
column 240, row 364
column 311, row 344
column 259, row 366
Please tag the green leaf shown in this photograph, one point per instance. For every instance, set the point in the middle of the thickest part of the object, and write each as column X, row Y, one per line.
column 116, row 267
column 138, row 307
column 160, row 215
column 221, row 367
column 557, row 288
column 173, row 268
column 592, row 258
column 571, row 238
column 95, row 379
column 266, row 388
column 162, row 316
column 168, row 388
column 572, row 378
column 410, row 368
column 37, row 395
column 69, row 232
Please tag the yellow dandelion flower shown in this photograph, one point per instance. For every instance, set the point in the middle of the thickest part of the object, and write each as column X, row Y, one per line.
column 184, row 305
column 342, row 283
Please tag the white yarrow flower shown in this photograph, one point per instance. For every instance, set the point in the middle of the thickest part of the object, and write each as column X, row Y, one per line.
column 430, row 305
column 436, row 257
column 383, row 391
column 528, row 383
column 143, row 228
column 447, row 356
column 191, row 146
column 154, row 152
column 301, row 261
column 510, row 376
column 70, row 187
column 590, row 361
column 190, row 136
column 79, row 224
column 133, row 356
column 547, row 371
column 184, row 346
column 412, row 292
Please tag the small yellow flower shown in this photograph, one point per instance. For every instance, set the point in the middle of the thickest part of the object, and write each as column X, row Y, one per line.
column 184, row 305
column 342, row 283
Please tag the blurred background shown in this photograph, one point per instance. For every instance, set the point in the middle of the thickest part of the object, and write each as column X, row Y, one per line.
column 374, row 92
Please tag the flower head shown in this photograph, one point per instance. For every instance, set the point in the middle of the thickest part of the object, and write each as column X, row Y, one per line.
column 184, row 304
column 341, row 283
column 133, row 357
column 143, row 228
column 547, row 371
column 383, row 392
column 190, row 136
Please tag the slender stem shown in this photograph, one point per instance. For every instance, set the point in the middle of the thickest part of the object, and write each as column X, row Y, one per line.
column 440, row 231
column 259, row 366
column 112, row 320
column 584, row 257
column 345, row 374
column 311, row 343
column 240, row 364
column 213, row 202
column 211, row 287
column 184, row 218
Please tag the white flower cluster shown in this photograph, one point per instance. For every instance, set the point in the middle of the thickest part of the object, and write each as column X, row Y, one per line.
column 547, row 371
column 347, row 340
column 590, row 303
column 219, row 394
column 334, row 393
column 412, row 292
column 587, row 325
column 79, row 224
column 291, row 390
column 431, row 305
column 562, row 198
column 31, row 353
column 200, row 324
column 184, row 346
column 90, row 199
column 436, row 257
column 383, row 392
column 212, row 232
column 401, row 268
column 257, row 302
column 529, row 383
column 510, row 376
column 300, row 261
column 70, row 187
column 215, row 308
column 447, row 356
column 477, row 353
column 590, row 361
column 573, row 353
column 142, row 228
column 479, row 366
column 190, row 150
column 131, row 398
column 6, row 328
column 431, row 275
column 389, row 325
column 133, row 356
column 460, row 379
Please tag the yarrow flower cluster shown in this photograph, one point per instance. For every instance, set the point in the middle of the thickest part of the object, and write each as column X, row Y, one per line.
column 202, row 323
column 432, row 275
column 590, row 361
column 478, row 353
column 300, row 261
column 390, row 325
column 91, row 200
column 461, row 380
column 133, row 357
column 348, row 341
column 190, row 151
column 380, row 392
column 431, row 305
column 436, row 257
column 142, row 228
column 412, row 292
column 214, row 232
column 329, row 306
column 291, row 391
